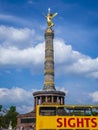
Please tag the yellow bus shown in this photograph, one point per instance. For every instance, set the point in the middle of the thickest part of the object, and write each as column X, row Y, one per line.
column 66, row 117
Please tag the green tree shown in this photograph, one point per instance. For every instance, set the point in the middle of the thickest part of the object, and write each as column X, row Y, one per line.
column 12, row 116
column 1, row 117
column 7, row 116
column 0, row 108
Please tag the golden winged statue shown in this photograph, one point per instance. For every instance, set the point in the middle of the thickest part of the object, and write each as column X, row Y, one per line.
column 49, row 18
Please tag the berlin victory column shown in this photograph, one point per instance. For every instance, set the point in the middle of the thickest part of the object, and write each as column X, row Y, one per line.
column 49, row 94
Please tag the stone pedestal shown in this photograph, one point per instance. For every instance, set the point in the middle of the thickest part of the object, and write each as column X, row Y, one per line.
column 49, row 97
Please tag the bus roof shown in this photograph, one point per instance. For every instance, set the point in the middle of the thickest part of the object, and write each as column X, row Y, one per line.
column 74, row 106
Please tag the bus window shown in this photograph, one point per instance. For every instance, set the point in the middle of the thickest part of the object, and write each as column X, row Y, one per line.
column 47, row 111
column 95, row 111
column 76, row 111
column 61, row 111
column 82, row 111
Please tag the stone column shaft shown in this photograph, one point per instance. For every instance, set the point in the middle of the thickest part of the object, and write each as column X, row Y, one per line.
column 49, row 61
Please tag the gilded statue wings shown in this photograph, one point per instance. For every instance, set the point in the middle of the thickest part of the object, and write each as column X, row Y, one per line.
column 52, row 15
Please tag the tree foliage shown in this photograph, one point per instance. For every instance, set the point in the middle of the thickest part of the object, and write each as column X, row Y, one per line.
column 0, row 108
column 9, row 115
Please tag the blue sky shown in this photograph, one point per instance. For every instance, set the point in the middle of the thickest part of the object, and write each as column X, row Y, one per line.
column 22, row 26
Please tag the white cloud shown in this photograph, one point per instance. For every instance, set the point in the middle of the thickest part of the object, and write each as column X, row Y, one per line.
column 85, row 66
column 16, row 51
column 94, row 96
column 65, row 53
column 21, row 38
column 14, row 19
column 15, row 95
column 25, row 57
column 63, row 89
column 94, row 74
column 70, row 61
column 31, row 2
column 21, row 98
column 24, row 108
